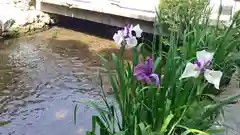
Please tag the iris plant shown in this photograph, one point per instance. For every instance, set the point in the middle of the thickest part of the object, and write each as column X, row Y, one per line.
column 203, row 65
column 144, row 72
column 126, row 37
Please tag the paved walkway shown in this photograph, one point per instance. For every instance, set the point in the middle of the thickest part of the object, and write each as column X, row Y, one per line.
column 232, row 112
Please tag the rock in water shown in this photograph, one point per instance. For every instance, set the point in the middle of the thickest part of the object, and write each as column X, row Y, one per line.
column 17, row 17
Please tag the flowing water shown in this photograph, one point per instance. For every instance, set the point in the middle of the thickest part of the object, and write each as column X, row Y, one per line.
column 42, row 78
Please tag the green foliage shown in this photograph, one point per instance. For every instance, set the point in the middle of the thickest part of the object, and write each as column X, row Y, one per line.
column 177, row 107
column 195, row 31
column 236, row 15
column 179, row 14
column 237, row 54
column 223, row 42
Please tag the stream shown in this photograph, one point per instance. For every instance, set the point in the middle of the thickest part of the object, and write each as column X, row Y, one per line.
column 43, row 77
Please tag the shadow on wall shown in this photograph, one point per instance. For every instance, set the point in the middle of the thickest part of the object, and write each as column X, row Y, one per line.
column 88, row 27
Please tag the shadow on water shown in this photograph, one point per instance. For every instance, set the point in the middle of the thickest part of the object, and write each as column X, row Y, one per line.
column 89, row 50
column 98, row 30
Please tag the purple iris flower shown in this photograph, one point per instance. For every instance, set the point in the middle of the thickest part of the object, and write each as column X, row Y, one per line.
column 201, row 65
column 125, row 37
column 127, row 31
column 144, row 72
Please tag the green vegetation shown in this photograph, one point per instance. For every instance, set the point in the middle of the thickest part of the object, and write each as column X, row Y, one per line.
column 179, row 15
column 170, row 92
column 196, row 31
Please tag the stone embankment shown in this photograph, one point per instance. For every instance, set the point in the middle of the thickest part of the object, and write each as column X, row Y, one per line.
column 17, row 17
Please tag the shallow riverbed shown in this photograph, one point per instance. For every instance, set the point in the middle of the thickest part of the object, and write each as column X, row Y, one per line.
column 42, row 78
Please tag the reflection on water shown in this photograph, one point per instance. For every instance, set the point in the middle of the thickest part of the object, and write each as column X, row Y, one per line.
column 41, row 77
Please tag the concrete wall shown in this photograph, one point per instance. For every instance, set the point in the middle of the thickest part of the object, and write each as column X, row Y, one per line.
column 121, row 12
column 112, row 15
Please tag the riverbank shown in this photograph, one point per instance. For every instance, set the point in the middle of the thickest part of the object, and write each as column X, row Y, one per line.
column 17, row 17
